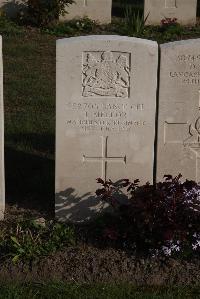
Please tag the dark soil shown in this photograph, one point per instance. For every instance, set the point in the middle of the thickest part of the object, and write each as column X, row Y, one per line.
column 89, row 264
column 91, row 261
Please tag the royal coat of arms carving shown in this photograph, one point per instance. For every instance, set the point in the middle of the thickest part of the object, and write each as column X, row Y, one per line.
column 106, row 74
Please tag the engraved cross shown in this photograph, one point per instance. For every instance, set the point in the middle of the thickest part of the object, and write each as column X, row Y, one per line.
column 175, row 133
column 104, row 159
column 84, row 2
column 170, row 4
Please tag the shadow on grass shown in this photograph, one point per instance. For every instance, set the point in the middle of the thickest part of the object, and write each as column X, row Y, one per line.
column 29, row 181
column 43, row 144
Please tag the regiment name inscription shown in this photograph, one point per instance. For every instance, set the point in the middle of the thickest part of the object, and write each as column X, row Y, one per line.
column 190, row 65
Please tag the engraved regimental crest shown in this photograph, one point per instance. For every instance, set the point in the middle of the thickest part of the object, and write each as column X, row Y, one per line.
column 106, row 74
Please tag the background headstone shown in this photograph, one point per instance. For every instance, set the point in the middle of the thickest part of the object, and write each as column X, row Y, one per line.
column 184, row 10
column 2, row 182
column 179, row 110
column 106, row 101
column 98, row 10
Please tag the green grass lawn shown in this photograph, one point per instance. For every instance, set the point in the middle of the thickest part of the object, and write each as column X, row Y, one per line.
column 29, row 97
column 29, row 90
column 100, row 291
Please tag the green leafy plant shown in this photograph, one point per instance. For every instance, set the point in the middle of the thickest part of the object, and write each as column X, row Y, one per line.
column 28, row 240
column 8, row 27
column 73, row 27
column 43, row 12
column 134, row 20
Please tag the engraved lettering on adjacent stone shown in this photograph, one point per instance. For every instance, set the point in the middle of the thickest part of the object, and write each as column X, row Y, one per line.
column 106, row 74
column 189, row 73
column 170, row 4
column 104, row 159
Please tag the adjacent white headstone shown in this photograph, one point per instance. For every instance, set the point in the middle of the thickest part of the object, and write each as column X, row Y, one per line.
column 2, row 181
column 183, row 10
column 179, row 110
column 98, row 10
column 105, row 119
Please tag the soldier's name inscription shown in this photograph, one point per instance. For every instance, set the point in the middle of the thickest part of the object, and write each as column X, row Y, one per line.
column 104, row 117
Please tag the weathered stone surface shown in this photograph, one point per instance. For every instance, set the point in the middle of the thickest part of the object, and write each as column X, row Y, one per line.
column 183, row 10
column 106, row 101
column 98, row 10
column 179, row 110
column 2, row 182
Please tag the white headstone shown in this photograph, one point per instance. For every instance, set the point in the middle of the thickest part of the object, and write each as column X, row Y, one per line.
column 98, row 10
column 183, row 10
column 179, row 110
column 2, row 181
column 106, row 101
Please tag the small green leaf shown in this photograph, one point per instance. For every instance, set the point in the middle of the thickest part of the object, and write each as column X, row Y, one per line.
column 14, row 239
column 15, row 259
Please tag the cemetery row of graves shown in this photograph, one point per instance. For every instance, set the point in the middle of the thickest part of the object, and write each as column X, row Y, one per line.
column 109, row 127
column 127, row 111
column 40, row 13
column 155, row 11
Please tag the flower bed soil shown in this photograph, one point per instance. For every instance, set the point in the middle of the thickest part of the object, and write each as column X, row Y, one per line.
column 89, row 262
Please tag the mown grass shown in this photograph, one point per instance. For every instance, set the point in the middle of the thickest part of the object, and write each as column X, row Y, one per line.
column 29, row 90
column 29, row 97
column 94, row 291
